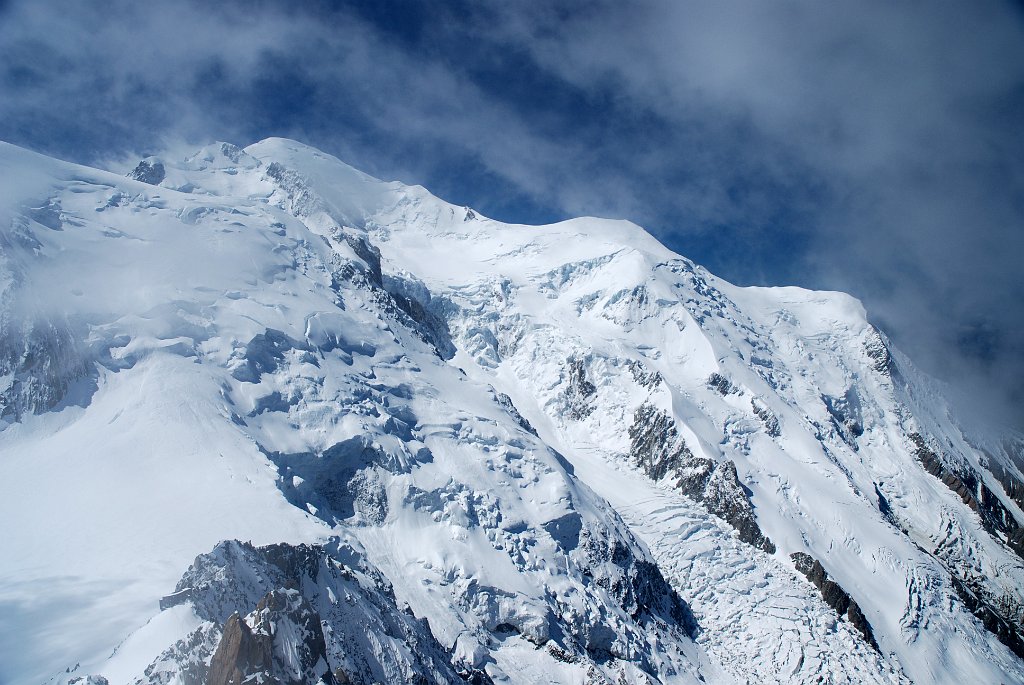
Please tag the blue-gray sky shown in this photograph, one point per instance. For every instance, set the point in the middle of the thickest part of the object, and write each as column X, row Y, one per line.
column 873, row 147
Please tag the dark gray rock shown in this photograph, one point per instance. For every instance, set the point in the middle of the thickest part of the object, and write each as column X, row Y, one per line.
column 768, row 418
column 149, row 172
column 579, row 391
column 637, row 584
column 655, row 445
column 657, row 448
column 969, row 485
column 720, row 383
column 834, row 595
column 878, row 351
column 187, row 662
column 725, row 496
column 413, row 305
column 340, row 615
column 281, row 642
column 370, row 254
column 886, row 511
column 40, row 360
column 302, row 201
column 1012, row 485
column 232, row 152
column 1000, row 615
column 845, row 413
column 298, row 648
column 506, row 403
column 978, row 601
column 644, row 377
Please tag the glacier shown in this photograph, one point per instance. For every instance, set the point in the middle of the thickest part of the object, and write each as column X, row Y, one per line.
column 265, row 416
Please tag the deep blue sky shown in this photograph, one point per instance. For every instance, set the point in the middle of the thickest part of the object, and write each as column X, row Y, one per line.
column 873, row 147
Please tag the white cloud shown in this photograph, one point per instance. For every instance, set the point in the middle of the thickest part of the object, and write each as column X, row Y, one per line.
column 879, row 145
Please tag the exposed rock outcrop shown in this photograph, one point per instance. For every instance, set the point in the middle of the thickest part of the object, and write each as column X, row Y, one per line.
column 655, row 445
column 978, row 601
column 768, row 418
column 151, row 172
column 637, row 584
column 722, row 384
column 316, row 619
column 241, row 655
column 411, row 303
column 580, row 391
column 506, row 402
column 718, row 488
column 834, row 595
column 877, row 349
column 845, row 413
column 39, row 362
column 280, row 642
column 657, row 448
column 968, row 484
column 644, row 377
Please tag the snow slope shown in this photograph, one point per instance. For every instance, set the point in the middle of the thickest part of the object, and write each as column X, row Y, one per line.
column 576, row 455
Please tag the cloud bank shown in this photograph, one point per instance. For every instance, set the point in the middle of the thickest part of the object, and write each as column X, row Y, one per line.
column 876, row 148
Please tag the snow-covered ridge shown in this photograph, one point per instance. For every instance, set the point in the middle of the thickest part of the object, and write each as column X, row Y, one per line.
column 528, row 454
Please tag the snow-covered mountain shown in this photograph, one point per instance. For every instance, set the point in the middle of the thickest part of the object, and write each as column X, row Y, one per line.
column 263, row 416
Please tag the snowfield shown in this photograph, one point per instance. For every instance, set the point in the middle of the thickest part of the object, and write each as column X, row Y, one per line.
column 265, row 416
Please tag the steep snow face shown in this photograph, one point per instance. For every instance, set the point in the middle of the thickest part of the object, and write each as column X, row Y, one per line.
column 241, row 371
column 516, row 454
column 588, row 323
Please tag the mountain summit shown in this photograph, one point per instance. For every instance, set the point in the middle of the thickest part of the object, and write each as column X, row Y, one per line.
column 265, row 418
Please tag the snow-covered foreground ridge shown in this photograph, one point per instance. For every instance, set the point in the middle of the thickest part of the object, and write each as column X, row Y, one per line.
column 263, row 416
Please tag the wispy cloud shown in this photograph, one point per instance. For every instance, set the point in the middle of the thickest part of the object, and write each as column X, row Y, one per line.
column 875, row 147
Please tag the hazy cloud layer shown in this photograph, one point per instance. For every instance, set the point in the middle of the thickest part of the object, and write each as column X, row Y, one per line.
column 874, row 147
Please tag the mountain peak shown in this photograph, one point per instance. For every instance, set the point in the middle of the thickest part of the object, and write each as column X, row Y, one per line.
column 265, row 397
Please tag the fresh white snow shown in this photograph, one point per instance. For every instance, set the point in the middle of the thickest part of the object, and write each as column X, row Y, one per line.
column 175, row 437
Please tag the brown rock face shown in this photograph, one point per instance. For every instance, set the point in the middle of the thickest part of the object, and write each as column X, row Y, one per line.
column 252, row 650
column 240, row 655
column 286, row 612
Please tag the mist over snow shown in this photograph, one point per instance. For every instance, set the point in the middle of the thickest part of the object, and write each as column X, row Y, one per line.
column 500, row 343
column 875, row 149
column 265, row 416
